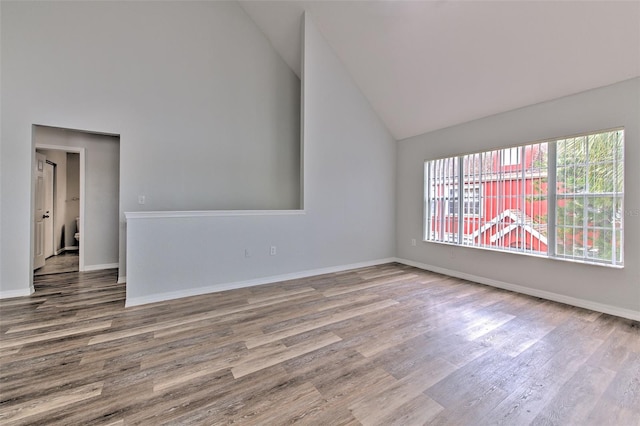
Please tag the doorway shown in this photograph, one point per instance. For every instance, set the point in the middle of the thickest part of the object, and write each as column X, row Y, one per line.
column 91, row 223
column 58, row 206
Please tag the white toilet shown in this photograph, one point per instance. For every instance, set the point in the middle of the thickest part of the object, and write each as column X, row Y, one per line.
column 77, row 234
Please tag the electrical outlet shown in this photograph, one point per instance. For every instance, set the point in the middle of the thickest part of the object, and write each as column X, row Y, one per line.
column 141, row 199
column 273, row 251
column 247, row 253
column 413, row 242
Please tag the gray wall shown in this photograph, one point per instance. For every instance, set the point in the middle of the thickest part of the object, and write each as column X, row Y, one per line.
column 604, row 108
column 207, row 112
column 73, row 194
column 349, row 180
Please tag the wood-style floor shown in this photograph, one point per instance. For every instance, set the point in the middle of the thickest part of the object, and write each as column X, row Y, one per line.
column 65, row 262
column 382, row 345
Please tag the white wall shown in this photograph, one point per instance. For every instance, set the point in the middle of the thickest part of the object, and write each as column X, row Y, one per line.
column 207, row 112
column 349, row 175
column 604, row 108
column 73, row 197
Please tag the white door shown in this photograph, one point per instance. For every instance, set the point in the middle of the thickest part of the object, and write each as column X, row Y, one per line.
column 49, row 242
column 39, row 216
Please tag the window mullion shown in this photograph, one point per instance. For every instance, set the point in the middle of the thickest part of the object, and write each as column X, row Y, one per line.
column 460, row 199
column 614, row 255
column 427, row 202
column 523, row 206
column 442, row 205
column 481, row 195
column 551, row 199
column 501, row 204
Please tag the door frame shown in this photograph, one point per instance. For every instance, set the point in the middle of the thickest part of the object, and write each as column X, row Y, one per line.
column 39, row 196
column 75, row 150
column 52, row 213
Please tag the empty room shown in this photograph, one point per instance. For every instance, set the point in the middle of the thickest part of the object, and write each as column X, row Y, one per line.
column 319, row 212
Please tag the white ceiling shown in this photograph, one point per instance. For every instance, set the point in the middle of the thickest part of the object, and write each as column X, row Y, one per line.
column 425, row 65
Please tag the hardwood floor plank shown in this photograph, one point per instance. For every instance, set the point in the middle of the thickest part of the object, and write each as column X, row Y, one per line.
column 420, row 410
column 408, row 358
column 515, row 336
column 5, row 352
column 392, row 337
column 53, row 335
column 467, row 382
column 347, row 386
column 318, row 323
column 391, row 398
column 336, row 291
column 41, row 324
column 614, row 351
column 544, row 384
column 310, row 313
column 338, row 302
column 289, row 405
column 215, row 400
column 181, row 378
column 484, row 325
column 189, row 348
column 198, row 367
column 48, row 403
column 284, row 296
column 258, row 361
column 26, row 385
column 620, row 402
column 576, row 397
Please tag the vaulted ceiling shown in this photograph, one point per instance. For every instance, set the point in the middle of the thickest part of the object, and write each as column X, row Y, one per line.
column 426, row 65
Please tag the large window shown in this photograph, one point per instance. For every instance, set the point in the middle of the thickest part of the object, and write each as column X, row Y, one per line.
column 561, row 199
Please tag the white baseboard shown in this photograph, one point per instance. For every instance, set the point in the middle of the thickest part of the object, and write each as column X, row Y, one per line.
column 88, row 268
column 161, row 297
column 580, row 303
column 122, row 279
column 64, row 249
column 16, row 293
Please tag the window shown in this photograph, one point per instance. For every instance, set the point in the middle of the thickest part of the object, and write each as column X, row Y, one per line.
column 471, row 200
column 590, row 175
column 560, row 199
column 453, row 201
column 472, row 205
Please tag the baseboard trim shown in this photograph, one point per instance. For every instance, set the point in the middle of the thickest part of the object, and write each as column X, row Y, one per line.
column 65, row 249
column 122, row 279
column 161, row 297
column 568, row 300
column 88, row 268
column 9, row 294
